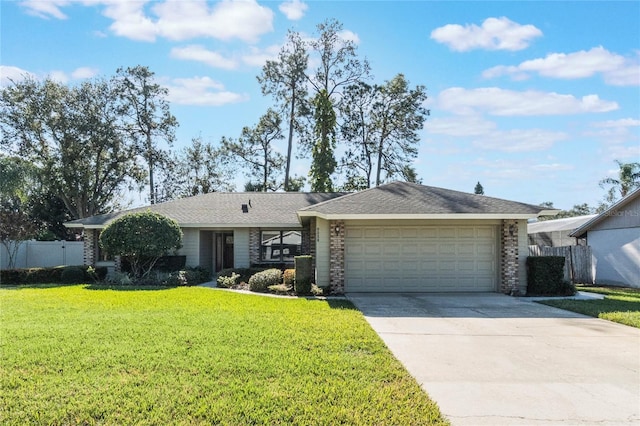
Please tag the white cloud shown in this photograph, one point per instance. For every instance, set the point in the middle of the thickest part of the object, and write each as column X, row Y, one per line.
column 45, row 8
column 84, row 72
column 293, row 9
column 347, row 35
column 201, row 91
column 242, row 19
column 258, row 57
column 616, row 69
column 200, row 54
column 59, row 76
column 172, row 19
column 459, row 126
column 615, row 131
column 623, row 122
column 9, row 74
column 494, row 34
column 519, row 140
column 496, row 101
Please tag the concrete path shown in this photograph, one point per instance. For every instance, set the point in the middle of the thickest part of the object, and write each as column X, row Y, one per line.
column 490, row 359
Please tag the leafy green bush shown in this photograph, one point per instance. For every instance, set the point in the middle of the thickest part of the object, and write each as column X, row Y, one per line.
column 262, row 280
column 304, row 273
column 289, row 276
column 188, row 277
column 245, row 273
column 73, row 275
column 545, row 277
column 142, row 238
column 228, row 281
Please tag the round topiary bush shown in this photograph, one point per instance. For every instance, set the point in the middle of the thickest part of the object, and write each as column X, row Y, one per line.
column 262, row 280
column 142, row 238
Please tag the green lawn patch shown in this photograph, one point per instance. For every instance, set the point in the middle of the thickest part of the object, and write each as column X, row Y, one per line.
column 620, row 304
column 76, row 355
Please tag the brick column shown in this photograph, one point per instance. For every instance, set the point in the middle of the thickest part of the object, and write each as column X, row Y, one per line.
column 254, row 246
column 90, row 245
column 509, row 257
column 336, row 248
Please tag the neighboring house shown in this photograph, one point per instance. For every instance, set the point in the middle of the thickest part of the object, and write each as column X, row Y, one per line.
column 556, row 232
column 614, row 238
column 395, row 237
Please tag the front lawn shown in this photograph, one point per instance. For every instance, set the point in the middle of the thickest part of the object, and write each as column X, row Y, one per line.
column 619, row 305
column 76, row 355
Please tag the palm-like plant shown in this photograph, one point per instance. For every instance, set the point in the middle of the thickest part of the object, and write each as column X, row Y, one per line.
column 628, row 180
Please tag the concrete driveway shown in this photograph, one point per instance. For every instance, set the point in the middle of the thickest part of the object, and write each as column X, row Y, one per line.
column 490, row 359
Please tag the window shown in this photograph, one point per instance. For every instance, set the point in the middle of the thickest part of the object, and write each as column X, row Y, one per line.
column 280, row 246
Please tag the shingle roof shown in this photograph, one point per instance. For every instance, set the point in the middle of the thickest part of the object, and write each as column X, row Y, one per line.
column 224, row 209
column 564, row 224
column 582, row 230
column 403, row 198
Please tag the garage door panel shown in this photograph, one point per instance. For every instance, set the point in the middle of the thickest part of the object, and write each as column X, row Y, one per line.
column 425, row 258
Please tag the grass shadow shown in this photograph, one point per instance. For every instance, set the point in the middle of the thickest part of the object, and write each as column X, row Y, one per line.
column 33, row 286
column 342, row 304
column 128, row 287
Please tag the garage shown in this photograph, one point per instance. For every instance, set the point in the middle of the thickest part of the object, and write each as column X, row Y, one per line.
column 421, row 258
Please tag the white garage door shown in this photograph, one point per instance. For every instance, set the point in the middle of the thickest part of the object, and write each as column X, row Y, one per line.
column 420, row 258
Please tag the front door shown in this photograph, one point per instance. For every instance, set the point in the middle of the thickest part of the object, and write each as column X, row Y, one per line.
column 224, row 250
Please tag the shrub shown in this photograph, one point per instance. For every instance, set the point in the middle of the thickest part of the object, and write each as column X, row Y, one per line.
column 12, row 276
column 228, row 281
column 120, row 278
column 72, row 275
column 317, row 291
column 545, row 277
column 289, row 276
column 142, row 238
column 96, row 274
column 188, row 277
column 304, row 272
column 262, row 280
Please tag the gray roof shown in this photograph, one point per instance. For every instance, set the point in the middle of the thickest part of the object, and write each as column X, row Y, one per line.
column 564, row 224
column 278, row 209
column 582, row 230
column 403, row 198
column 224, row 209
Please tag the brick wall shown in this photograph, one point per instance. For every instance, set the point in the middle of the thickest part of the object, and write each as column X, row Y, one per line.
column 336, row 249
column 254, row 246
column 509, row 274
column 90, row 245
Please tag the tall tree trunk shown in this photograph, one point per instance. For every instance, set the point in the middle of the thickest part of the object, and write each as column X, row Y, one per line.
column 152, row 189
column 290, row 145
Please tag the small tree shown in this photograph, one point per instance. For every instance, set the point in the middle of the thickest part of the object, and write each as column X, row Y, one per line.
column 15, row 228
column 142, row 238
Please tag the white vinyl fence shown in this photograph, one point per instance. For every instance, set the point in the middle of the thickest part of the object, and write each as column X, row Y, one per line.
column 40, row 254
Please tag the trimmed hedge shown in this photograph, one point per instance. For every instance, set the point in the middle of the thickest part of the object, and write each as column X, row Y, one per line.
column 289, row 276
column 55, row 275
column 545, row 277
column 303, row 273
column 245, row 273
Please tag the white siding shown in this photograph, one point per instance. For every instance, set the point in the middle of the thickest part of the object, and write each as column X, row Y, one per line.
column 241, row 248
column 617, row 256
column 191, row 246
column 322, row 253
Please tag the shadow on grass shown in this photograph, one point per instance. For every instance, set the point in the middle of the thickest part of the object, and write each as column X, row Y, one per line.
column 595, row 308
column 341, row 304
column 128, row 287
column 32, row 286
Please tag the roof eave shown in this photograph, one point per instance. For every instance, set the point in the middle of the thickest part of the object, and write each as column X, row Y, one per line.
column 419, row 216
column 581, row 232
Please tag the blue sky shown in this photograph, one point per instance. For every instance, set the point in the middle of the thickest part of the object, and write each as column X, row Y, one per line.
column 533, row 99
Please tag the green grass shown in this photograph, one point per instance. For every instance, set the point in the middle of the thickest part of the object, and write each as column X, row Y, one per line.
column 76, row 355
column 620, row 305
